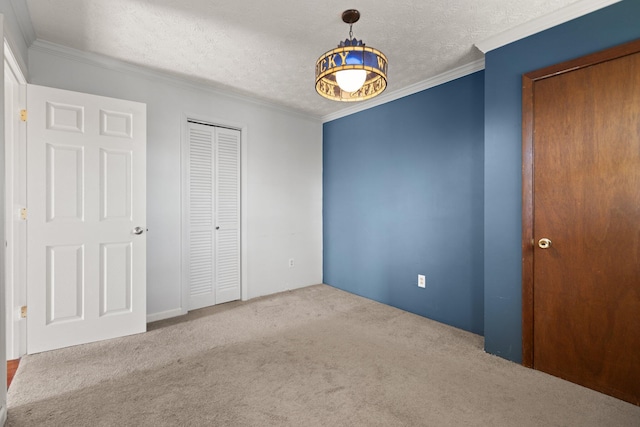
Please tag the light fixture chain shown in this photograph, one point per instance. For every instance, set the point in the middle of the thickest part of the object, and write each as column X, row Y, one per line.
column 350, row 31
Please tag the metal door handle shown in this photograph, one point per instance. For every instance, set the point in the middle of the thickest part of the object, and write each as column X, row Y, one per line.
column 137, row 230
column 544, row 243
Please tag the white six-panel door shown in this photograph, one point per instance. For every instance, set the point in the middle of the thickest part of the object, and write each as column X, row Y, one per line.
column 212, row 258
column 86, row 218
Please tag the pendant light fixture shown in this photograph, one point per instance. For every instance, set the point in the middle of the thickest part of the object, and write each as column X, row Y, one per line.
column 352, row 71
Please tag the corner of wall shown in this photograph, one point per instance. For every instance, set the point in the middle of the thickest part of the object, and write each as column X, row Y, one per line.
column 18, row 31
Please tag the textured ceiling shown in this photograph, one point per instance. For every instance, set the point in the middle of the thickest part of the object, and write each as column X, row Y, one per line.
column 268, row 50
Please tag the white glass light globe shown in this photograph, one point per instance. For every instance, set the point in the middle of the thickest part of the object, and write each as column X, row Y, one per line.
column 351, row 80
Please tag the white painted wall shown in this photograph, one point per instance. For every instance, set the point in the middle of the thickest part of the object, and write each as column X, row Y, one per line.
column 283, row 165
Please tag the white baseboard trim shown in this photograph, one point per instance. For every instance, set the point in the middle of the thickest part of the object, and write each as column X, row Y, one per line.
column 3, row 414
column 154, row 317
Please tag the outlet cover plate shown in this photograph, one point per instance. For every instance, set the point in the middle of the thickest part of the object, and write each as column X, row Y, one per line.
column 422, row 281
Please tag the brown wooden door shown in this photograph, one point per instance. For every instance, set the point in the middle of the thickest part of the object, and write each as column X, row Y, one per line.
column 583, row 149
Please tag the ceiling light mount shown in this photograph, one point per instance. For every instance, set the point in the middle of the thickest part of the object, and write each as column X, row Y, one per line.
column 352, row 71
column 350, row 16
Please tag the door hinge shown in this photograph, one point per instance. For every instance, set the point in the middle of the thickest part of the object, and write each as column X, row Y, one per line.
column 23, row 115
column 23, row 311
column 23, row 214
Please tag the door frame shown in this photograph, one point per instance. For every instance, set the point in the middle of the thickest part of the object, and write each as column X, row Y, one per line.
column 528, row 243
column 15, row 199
column 206, row 120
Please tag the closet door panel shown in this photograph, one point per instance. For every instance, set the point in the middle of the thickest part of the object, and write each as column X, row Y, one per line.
column 227, row 215
column 200, row 217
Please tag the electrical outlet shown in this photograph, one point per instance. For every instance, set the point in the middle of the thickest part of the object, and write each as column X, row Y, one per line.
column 291, row 263
column 422, row 281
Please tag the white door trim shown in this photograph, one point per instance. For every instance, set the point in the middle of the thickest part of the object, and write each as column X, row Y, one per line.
column 15, row 198
column 243, row 128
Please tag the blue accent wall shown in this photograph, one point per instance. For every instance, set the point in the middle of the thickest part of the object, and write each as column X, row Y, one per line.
column 403, row 195
column 431, row 184
column 504, row 67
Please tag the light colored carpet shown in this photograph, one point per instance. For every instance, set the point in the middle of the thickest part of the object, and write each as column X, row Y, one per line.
column 311, row 357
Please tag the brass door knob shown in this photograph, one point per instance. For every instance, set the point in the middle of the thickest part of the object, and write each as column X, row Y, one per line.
column 544, row 243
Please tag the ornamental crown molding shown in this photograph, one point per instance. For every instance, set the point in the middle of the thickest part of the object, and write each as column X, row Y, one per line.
column 567, row 13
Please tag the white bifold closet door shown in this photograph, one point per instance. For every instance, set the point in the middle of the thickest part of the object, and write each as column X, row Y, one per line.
column 212, row 261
